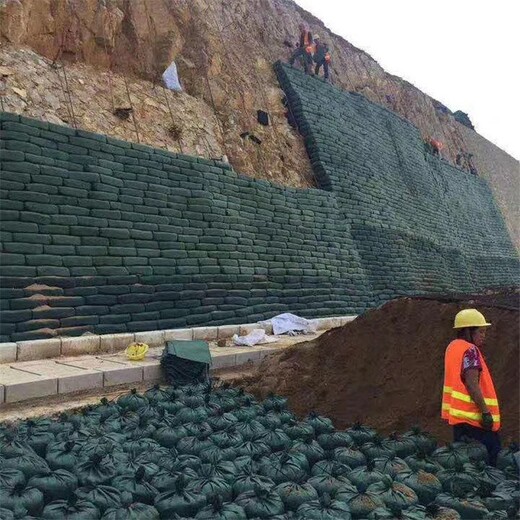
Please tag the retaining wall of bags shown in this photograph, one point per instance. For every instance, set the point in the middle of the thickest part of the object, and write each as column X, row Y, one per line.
column 108, row 236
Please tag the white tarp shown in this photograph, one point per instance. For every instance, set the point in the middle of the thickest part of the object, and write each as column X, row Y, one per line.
column 171, row 78
column 287, row 323
column 255, row 337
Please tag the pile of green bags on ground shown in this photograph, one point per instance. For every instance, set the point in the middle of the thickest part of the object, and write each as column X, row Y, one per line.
column 216, row 453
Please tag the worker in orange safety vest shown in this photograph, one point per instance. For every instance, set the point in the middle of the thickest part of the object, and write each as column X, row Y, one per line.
column 469, row 401
column 304, row 49
column 321, row 57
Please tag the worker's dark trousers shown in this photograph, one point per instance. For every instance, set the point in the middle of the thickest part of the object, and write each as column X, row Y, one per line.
column 491, row 440
column 325, row 68
column 300, row 52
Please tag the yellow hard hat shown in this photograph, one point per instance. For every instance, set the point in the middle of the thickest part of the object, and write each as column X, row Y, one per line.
column 136, row 351
column 470, row 318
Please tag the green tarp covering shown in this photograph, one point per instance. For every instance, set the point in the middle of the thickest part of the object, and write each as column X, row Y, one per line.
column 192, row 350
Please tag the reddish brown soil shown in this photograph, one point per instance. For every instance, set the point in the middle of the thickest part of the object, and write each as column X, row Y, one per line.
column 386, row 367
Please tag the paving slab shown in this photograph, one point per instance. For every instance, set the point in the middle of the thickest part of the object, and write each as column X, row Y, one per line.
column 153, row 338
column 2, row 394
column 205, row 333
column 70, row 379
column 89, row 344
column 20, row 386
column 115, row 342
column 38, row 349
column 8, row 352
column 171, row 334
column 227, row 331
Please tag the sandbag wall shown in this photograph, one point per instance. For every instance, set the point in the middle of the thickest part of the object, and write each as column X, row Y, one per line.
column 418, row 223
column 108, row 236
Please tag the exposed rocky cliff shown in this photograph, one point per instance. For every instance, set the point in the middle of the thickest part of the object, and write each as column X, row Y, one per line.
column 224, row 51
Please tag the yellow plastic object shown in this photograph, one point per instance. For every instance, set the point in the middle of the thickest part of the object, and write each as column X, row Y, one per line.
column 470, row 318
column 136, row 351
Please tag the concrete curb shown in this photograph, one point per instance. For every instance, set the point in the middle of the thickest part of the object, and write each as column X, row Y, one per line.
column 111, row 343
column 30, row 379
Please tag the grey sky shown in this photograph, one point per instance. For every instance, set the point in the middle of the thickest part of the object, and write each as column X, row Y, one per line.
column 465, row 53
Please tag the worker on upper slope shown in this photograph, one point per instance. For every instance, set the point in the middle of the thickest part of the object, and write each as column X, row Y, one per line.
column 304, row 49
column 321, row 57
column 469, row 402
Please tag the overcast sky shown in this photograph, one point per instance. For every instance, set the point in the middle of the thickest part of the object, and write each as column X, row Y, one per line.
column 465, row 53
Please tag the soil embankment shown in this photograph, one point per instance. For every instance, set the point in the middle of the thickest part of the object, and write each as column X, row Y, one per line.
column 386, row 368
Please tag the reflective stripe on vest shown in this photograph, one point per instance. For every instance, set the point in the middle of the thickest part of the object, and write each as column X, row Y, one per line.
column 457, row 404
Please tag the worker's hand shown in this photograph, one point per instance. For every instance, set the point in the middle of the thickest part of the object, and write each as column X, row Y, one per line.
column 487, row 421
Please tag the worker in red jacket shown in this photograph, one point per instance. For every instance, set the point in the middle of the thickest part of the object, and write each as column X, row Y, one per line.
column 469, row 401
column 304, row 49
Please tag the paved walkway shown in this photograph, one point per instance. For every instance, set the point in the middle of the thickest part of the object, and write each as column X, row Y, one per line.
column 26, row 380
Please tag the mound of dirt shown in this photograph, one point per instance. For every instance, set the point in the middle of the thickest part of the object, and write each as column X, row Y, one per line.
column 386, row 367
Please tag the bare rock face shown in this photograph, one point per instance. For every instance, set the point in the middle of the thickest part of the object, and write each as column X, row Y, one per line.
column 223, row 50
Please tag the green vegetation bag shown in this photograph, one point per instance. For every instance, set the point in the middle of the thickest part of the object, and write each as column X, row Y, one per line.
column 221, row 420
column 426, row 485
column 468, row 508
column 270, row 421
column 436, row 512
column 475, row 451
column 249, row 481
column 463, row 476
column 169, row 435
column 36, row 435
column 282, row 468
column 320, row 424
column 261, row 503
column 450, row 456
column 423, row 440
column 22, row 496
column 227, row 439
column 506, row 459
column 252, row 448
column 179, row 501
column 250, row 429
column 194, row 444
column 486, row 474
column 331, row 441
column 330, row 466
column 165, row 478
column 324, row 509
column 138, row 484
column 156, row 394
column 325, row 484
column 218, row 510
column 298, row 431
column 362, row 502
column 62, row 455
column 95, row 470
column 130, row 510
column 132, row 401
column 294, row 494
column 70, row 509
column 412, row 513
column 350, row 456
column 276, row 439
column 10, row 477
column 394, row 494
column 401, row 445
column 390, row 465
column 310, row 448
column 365, row 475
column 30, row 464
column 275, row 402
column 57, row 485
column 103, row 497
column 377, row 448
column 210, row 485
column 422, row 461
column 361, row 434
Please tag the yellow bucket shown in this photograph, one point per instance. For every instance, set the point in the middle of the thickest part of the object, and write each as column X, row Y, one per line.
column 136, row 351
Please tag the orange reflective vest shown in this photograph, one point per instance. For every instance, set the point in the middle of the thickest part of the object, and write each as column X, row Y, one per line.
column 457, row 405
